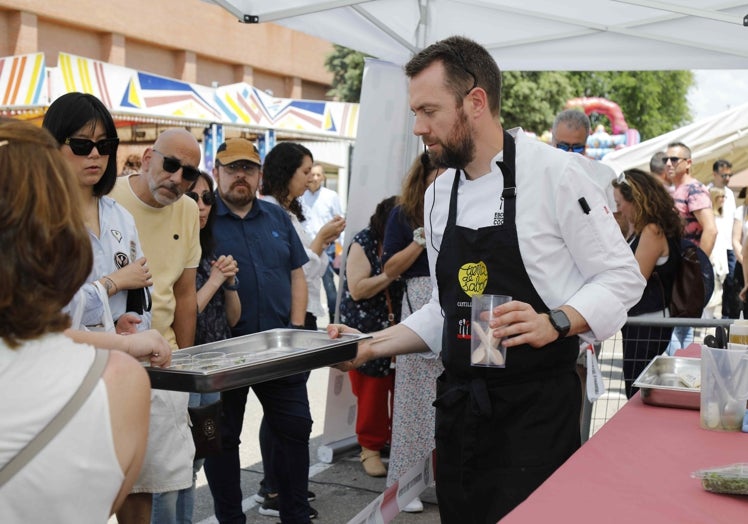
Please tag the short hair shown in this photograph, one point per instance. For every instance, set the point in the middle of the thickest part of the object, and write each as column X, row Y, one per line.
column 133, row 161
column 280, row 165
column 720, row 164
column 682, row 145
column 465, row 61
column 656, row 163
column 47, row 254
column 574, row 118
column 71, row 112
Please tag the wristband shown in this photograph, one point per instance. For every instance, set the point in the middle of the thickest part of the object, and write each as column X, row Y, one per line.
column 418, row 237
column 232, row 287
column 109, row 285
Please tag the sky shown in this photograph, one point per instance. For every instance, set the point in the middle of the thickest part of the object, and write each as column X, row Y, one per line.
column 717, row 90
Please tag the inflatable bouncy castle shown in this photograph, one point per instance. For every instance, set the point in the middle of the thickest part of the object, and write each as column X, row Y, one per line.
column 600, row 142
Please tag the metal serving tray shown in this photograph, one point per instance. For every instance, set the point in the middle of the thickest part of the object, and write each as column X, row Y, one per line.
column 265, row 356
column 660, row 384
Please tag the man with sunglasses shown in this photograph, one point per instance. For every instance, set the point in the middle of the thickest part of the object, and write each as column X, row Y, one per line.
column 273, row 294
column 694, row 204
column 169, row 233
column 511, row 216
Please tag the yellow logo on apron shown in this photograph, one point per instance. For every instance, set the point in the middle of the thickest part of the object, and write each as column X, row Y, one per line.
column 473, row 277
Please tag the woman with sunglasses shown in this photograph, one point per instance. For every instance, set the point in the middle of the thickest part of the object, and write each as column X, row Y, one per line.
column 657, row 229
column 218, row 310
column 88, row 140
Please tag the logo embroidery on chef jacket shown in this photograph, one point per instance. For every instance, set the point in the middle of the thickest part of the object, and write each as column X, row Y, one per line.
column 117, row 235
column 463, row 329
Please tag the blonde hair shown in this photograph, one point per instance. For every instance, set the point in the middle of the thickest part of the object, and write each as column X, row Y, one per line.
column 716, row 193
column 47, row 253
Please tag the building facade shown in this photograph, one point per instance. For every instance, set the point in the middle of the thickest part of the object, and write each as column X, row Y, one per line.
column 189, row 40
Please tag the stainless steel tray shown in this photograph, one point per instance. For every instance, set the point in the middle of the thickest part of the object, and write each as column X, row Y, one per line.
column 661, row 384
column 265, row 356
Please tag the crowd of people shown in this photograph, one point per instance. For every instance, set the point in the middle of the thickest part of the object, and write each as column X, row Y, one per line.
column 172, row 257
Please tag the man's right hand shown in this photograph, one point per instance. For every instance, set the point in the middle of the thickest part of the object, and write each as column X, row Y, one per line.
column 334, row 331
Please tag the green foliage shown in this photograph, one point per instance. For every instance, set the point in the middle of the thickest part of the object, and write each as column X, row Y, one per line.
column 653, row 102
column 347, row 68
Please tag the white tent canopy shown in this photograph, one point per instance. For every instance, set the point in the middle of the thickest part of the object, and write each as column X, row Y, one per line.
column 724, row 135
column 574, row 35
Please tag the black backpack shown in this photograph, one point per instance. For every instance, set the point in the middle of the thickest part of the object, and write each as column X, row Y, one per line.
column 693, row 284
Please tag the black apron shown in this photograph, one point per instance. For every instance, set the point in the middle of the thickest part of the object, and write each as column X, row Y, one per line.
column 500, row 432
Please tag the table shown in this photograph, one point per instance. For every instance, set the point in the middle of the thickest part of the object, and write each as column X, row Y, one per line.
column 637, row 469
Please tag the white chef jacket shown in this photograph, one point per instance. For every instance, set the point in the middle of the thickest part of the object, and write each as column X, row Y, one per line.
column 571, row 257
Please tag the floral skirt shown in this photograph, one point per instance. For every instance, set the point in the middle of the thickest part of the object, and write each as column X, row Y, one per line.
column 415, row 391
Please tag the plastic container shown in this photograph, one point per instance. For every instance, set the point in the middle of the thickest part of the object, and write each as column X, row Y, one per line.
column 724, row 388
column 732, row 479
column 739, row 332
column 485, row 349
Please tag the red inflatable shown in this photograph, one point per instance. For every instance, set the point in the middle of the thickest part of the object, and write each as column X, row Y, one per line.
column 603, row 106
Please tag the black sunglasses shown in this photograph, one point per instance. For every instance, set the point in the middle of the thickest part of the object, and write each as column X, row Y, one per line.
column 672, row 159
column 84, row 146
column 207, row 197
column 574, row 148
column 172, row 165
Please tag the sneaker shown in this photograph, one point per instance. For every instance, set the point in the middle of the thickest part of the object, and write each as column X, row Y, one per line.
column 414, row 506
column 271, row 507
column 259, row 497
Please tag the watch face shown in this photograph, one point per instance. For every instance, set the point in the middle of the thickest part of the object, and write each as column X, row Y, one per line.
column 560, row 321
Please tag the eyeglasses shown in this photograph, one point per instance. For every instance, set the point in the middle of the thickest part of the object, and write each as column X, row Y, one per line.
column 84, row 146
column 464, row 67
column 725, row 175
column 207, row 197
column 674, row 160
column 235, row 167
column 172, row 165
column 574, row 148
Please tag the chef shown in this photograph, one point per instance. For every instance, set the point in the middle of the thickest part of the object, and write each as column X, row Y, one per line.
column 514, row 217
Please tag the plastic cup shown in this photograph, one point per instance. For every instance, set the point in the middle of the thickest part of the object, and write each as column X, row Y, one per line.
column 181, row 362
column 485, row 349
column 208, row 361
column 724, row 388
column 739, row 332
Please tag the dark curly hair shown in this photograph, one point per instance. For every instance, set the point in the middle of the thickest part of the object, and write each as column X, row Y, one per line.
column 652, row 202
column 71, row 112
column 378, row 220
column 277, row 171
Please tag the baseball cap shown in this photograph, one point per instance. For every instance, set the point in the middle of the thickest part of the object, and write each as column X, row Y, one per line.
column 235, row 149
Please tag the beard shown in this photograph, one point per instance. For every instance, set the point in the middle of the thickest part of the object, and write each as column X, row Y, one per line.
column 458, row 150
column 236, row 197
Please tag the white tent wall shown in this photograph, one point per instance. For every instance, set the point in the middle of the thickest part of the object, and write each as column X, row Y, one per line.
column 385, row 147
column 724, row 135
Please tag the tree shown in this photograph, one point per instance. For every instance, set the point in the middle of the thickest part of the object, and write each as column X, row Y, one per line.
column 653, row 102
column 347, row 68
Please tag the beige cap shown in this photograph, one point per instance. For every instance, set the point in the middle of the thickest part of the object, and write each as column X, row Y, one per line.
column 235, row 149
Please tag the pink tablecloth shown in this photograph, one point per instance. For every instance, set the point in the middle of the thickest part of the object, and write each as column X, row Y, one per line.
column 637, row 469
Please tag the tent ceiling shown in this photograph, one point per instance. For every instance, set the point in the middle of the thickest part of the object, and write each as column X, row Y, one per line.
column 530, row 35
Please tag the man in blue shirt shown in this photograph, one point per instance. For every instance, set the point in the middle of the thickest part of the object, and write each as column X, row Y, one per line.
column 273, row 293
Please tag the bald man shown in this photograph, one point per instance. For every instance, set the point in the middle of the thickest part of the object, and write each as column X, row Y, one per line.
column 169, row 231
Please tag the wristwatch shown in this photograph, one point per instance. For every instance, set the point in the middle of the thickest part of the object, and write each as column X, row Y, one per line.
column 232, row 287
column 560, row 322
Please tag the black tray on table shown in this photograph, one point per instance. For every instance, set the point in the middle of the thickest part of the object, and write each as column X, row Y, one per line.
column 264, row 356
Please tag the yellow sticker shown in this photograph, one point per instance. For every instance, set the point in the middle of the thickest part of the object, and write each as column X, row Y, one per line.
column 473, row 277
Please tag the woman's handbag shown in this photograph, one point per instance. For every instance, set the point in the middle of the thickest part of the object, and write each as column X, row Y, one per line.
column 205, row 423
